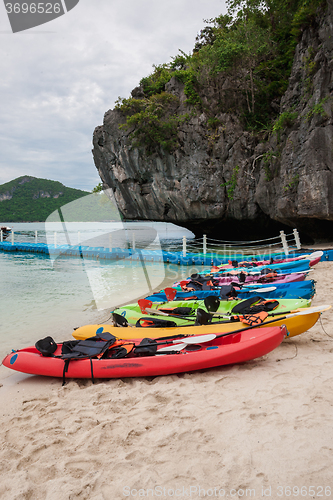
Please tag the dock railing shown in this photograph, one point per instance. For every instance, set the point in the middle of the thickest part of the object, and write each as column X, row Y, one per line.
column 208, row 248
column 284, row 243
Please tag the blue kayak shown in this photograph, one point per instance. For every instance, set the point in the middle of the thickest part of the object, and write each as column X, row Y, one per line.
column 295, row 290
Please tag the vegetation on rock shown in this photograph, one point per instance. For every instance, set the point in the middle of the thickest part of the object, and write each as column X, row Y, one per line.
column 253, row 45
column 232, row 183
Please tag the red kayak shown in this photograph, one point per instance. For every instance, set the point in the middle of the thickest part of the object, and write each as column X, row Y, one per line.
column 224, row 350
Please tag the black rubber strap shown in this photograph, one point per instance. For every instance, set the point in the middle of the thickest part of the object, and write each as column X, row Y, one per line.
column 66, row 363
column 92, row 371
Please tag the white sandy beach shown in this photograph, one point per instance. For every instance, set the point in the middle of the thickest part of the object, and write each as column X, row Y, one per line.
column 255, row 430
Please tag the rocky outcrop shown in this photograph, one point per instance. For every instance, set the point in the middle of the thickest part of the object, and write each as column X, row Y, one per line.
column 6, row 196
column 227, row 181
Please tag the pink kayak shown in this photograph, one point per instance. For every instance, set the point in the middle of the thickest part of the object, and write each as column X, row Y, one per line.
column 312, row 262
column 280, row 278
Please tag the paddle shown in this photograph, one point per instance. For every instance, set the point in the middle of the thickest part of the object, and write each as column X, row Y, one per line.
column 259, row 290
column 253, row 287
column 211, row 303
column 301, row 313
column 300, row 309
column 170, row 293
column 313, row 255
column 177, row 347
column 197, row 339
column 160, row 313
column 202, row 317
column 143, row 304
column 120, row 321
column 200, row 339
column 194, row 339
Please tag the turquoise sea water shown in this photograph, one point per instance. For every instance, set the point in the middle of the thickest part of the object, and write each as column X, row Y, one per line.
column 40, row 297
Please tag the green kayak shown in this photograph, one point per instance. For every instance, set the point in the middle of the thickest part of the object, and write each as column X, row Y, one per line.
column 184, row 312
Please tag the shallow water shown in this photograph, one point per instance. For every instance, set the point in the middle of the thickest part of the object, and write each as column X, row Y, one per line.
column 40, row 297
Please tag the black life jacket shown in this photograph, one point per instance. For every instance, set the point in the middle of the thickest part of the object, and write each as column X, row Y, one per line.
column 242, row 277
column 147, row 347
column 264, row 305
column 268, row 271
column 233, row 263
column 227, row 291
column 97, row 347
column 254, row 305
column 194, row 285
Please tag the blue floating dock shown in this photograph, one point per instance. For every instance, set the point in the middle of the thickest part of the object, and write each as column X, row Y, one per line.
column 102, row 253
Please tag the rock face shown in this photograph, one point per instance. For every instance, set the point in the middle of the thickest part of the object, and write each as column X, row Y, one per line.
column 227, row 182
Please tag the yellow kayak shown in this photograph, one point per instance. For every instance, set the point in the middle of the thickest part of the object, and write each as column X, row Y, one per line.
column 296, row 324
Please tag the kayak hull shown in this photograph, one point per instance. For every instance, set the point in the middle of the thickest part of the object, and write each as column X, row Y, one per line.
column 254, row 279
column 284, row 267
column 295, row 326
column 312, row 262
column 132, row 312
column 293, row 290
column 235, row 348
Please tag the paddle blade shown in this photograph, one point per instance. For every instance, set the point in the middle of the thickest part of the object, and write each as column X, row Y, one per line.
column 143, row 304
column 197, row 339
column 170, row 293
column 174, row 347
column 212, row 303
column 315, row 255
column 309, row 310
column 263, row 290
column 119, row 320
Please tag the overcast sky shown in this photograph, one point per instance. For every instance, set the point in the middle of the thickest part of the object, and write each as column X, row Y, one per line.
column 58, row 79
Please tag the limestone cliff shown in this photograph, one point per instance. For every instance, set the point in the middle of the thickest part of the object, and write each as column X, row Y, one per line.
column 228, row 182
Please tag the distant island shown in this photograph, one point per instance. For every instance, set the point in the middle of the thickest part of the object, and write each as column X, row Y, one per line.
column 30, row 199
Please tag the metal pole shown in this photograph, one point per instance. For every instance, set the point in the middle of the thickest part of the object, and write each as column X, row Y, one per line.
column 297, row 239
column 184, row 246
column 1, row 236
column 12, row 237
column 36, row 236
column 133, row 240
column 284, row 242
column 204, row 244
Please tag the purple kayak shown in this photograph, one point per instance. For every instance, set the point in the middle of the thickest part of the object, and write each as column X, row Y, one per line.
column 256, row 278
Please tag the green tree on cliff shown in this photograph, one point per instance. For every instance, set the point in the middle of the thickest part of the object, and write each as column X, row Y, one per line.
column 253, row 45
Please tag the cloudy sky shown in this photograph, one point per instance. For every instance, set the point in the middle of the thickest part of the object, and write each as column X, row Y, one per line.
column 58, row 79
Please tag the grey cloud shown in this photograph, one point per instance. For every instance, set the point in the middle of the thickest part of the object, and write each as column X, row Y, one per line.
column 56, row 86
